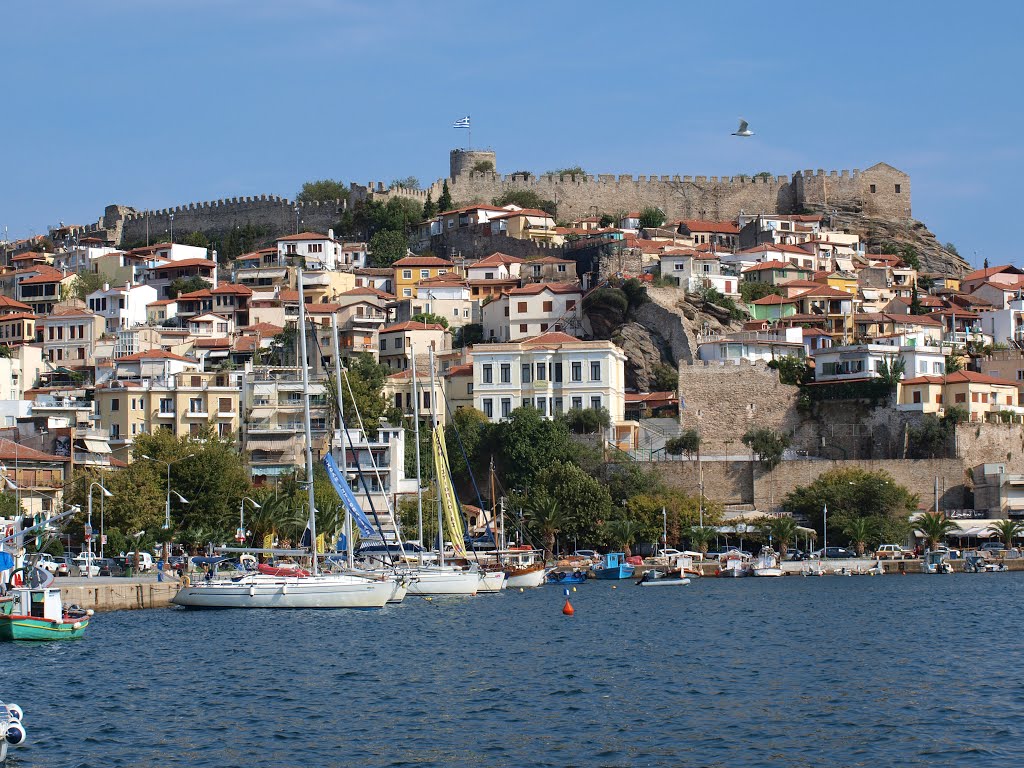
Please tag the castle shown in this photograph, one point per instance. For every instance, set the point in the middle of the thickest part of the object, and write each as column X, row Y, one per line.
column 881, row 191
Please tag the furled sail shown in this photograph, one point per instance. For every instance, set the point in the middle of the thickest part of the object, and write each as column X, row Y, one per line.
column 449, row 504
column 366, row 529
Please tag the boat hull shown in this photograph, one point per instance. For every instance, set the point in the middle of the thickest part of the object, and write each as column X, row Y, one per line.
column 664, row 583
column 768, row 572
column 492, row 581
column 566, row 578
column 14, row 627
column 526, row 577
column 432, row 583
column 733, row 573
column 284, row 592
column 615, row 572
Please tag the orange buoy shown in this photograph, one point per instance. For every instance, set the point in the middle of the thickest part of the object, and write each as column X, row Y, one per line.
column 567, row 609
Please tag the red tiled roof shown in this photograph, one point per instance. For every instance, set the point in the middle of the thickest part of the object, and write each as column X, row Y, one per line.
column 465, row 369
column 186, row 263
column 18, row 316
column 551, row 337
column 410, row 325
column 979, row 273
column 961, row 377
column 154, row 354
column 12, row 451
column 534, row 288
column 765, row 265
column 773, row 298
column 550, row 260
column 422, row 261
column 472, row 208
column 303, row 236
column 366, row 290
column 824, row 290
column 162, row 303
column 263, row 329
column 212, row 343
column 496, row 259
column 704, row 225
column 7, row 302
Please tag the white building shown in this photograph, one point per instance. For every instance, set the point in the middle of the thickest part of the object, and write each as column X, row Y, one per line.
column 552, row 372
column 532, row 310
column 752, row 346
column 862, row 361
column 497, row 266
column 319, row 251
column 396, row 343
column 123, row 307
column 1005, row 325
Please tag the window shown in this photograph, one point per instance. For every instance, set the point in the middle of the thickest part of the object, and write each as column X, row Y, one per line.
column 541, row 372
column 469, row 389
column 558, row 373
column 488, row 407
column 455, row 312
column 487, row 375
column 506, row 407
column 577, row 372
column 426, row 400
column 398, row 343
column 897, row 189
column 961, row 397
column 558, row 406
column 383, row 344
column 872, row 188
column 166, row 405
column 224, row 405
column 561, row 267
column 595, row 371
column 543, row 327
column 115, row 404
column 424, row 274
column 595, row 402
column 542, row 406
column 523, row 328
column 526, row 373
column 521, row 306
column 678, row 266
column 549, row 306
column 570, row 305
column 506, row 373
column 577, row 403
column 917, row 396
column 407, row 293
column 407, row 274
column 195, row 405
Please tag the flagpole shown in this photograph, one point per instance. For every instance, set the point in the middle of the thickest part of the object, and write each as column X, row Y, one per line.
column 469, row 127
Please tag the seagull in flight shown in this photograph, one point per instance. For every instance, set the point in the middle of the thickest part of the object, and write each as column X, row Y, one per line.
column 744, row 129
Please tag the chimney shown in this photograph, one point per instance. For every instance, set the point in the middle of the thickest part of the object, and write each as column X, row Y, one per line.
column 330, row 234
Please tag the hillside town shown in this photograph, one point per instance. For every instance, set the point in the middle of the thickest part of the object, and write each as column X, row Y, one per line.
column 612, row 323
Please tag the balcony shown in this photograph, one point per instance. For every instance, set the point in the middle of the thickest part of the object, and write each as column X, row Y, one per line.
column 162, row 414
column 190, row 414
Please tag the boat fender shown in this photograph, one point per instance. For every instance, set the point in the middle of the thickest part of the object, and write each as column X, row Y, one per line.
column 186, row 581
column 77, row 625
column 252, row 591
column 284, row 590
column 15, row 711
column 16, row 733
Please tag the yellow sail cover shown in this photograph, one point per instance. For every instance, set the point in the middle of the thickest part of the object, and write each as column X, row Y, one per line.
column 449, row 505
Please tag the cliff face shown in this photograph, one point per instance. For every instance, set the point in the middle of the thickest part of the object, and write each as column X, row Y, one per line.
column 879, row 231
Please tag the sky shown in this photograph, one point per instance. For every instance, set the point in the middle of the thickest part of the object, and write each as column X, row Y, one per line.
column 154, row 104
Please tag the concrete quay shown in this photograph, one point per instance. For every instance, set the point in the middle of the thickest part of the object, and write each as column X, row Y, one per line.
column 117, row 593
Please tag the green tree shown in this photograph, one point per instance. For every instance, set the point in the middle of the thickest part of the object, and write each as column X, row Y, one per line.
column 525, row 198
column 584, row 502
column 951, row 248
column 387, row 247
column 891, row 369
column 198, row 239
column 409, row 182
column 853, row 493
column 85, row 283
column 751, row 291
column 782, row 530
column 322, row 191
column 916, row 307
column 444, row 202
column 10, row 507
column 651, row 218
column 525, row 443
column 544, row 519
column 763, row 175
column 607, row 310
column 861, row 531
column 622, row 532
column 687, row 443
column 483, row 166
column 364, row 379
column 429, row 208
column 792, row 370
column 573, row 170
column 767, row 444
column 186, row 285
column 718, row 299
column 636, row 293
column 666, row 378
column 429, row 318
column 468, row 335
column 953, row 364
column 935, row 526
column 1006, row 530
column 701, row 537
column 587, row 421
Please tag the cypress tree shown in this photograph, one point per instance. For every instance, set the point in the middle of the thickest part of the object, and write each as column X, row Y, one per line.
column 445, row 201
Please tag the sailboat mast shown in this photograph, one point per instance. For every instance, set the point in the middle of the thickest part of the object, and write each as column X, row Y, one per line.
column 306, row 420
column 416, row 422
column 336, row 351
column 437, row 475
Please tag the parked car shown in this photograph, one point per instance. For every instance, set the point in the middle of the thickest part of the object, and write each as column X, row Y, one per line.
column 177, row 563
column 669, row 553
column 145, row 561
column 796, row 554
column 834, row 553
column 42, row 560
column 109, row 567
column 892, row 552
column 66, row 566
column 590, row 554
column 992, row 546
column 86, row 564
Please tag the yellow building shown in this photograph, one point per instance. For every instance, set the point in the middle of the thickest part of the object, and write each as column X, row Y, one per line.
column 980, row 395
column 183, row 402
column 325, row 286
column 412, row 269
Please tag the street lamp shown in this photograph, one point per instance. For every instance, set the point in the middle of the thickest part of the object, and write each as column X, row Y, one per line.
column 88, row 526
column 240, row 535
column 182, row 499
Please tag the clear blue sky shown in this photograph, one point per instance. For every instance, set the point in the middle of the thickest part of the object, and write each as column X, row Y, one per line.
column 152, row 104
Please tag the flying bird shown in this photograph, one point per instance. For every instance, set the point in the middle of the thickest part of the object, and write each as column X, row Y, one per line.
column 744, row 129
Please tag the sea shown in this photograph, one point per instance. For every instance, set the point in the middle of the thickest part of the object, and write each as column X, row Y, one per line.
column 819, row 671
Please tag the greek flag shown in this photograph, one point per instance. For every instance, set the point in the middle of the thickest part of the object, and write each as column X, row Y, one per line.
column 366, row 529
column 463, row 123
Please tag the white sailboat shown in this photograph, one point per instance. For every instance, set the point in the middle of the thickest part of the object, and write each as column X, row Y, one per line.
column 315, row 590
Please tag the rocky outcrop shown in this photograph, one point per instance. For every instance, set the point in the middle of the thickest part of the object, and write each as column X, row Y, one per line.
column 645, row 351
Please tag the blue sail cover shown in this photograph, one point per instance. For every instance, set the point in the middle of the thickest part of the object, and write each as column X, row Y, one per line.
column 366, row 529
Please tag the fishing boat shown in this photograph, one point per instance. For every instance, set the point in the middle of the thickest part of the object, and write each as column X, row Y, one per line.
column 613, row 566
column 657, row 578
column 767, row 563
column 12, row 731
column 35, row 610
column 936, row 562
column 524, row 567
column 688, row 563
column 734, row 564
column 567, row 577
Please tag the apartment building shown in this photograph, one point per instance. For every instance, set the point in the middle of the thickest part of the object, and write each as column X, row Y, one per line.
column 531, row 310
column 122, row 307
column 69, row 336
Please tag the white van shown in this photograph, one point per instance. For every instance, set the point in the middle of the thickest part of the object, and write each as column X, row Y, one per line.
column 145, row 561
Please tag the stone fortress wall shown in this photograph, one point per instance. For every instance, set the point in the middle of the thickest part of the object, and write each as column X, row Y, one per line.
column 880, row 190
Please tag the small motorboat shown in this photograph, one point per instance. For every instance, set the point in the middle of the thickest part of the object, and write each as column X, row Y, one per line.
column 734, row 564
column 656, row 578
column 936, row 562
column 12, row 732
column 613, row 566
column 567, row 577
column 35, row 611
column 767, row 563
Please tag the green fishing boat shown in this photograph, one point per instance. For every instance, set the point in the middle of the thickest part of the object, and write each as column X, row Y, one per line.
column 38, row 613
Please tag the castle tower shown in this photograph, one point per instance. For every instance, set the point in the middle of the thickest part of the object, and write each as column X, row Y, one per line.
column 463, row 160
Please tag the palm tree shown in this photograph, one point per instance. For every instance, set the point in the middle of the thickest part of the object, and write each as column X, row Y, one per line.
column 1006, row 530
column 623, row 532
column 782, row 531
column 860, row 530
column 934, row 526
column 701, row 537
column 546, row 520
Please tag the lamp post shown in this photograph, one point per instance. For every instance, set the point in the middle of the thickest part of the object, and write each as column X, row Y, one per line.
column 240, row 534
column 88, row 526
column 172, row 228
column 167, row 508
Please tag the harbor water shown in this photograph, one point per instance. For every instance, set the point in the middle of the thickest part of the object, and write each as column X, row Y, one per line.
column 862, row 671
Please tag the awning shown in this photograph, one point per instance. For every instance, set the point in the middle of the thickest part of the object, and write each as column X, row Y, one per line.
column 976, row 532
column 275, row 445
column 261, row 413
column 95, row 446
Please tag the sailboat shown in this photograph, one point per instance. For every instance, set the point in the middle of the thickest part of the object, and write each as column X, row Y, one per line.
column 299, row 589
